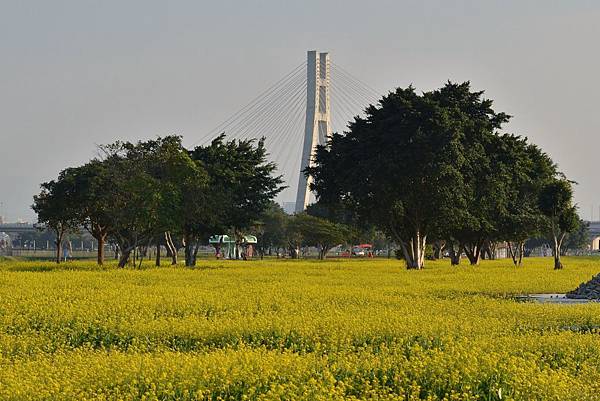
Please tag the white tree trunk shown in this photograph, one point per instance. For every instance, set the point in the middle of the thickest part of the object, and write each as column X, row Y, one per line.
column 414, row 251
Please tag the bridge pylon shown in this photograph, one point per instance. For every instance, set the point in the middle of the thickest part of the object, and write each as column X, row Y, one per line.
column 317, row 127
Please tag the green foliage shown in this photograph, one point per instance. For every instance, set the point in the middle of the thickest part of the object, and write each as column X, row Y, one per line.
column 318, row 232
column 150, row 184
column 271, row 229
column 433, row 166
column 579, row 238
column 57, row 209
column 555, row 202
column 138, row 193
column 90, row 190
column 242, row 176
column 409, row 166
column 555, row 198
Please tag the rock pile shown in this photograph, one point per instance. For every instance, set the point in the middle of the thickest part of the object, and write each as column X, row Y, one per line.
column 588, row 290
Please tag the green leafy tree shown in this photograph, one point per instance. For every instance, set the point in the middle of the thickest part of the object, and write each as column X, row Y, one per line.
column 89, row 193
column 186, row 206
column 472, row 225
column 141, row 203
column 578, row 239
column 294, row 238
column 403, row 167
column 523, row 169
column 556, row 202
column 242, row 180
column 270, row 230
column 200, row 212
column 55, row 209
column 320, row 233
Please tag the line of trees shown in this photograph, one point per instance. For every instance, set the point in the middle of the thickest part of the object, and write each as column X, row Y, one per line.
column 423, row 169
column 156, row 192
column 434, row 168
column 284, row 234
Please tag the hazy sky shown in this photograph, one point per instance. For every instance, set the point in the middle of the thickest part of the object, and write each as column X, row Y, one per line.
column 78, row 73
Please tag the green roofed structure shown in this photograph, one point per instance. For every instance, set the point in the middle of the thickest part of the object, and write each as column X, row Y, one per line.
column 225, row 246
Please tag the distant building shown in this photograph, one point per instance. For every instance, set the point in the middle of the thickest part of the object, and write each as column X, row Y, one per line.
column 289, row 207
column 594, row 234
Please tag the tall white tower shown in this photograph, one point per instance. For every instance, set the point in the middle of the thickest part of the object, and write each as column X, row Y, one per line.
column 317, row 127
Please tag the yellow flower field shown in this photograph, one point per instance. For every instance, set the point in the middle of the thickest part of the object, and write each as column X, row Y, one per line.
column 290, row 330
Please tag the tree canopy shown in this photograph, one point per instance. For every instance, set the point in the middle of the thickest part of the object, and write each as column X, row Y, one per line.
column 419, row 168
column 435, row 166
column 149, row 192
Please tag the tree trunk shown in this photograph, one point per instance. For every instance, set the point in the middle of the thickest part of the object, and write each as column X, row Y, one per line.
column 492, row 249
column 455, row 254
column 189, row 250
column 322, row 252
column 414, row 251
column 512, row 252
column 556, row 251
column 58, row 243
column 294, row 252
column 407, row 251
column 100, row 252
column 521, row 252
column 421, row 251
column 99, row 233
column 557, row 263
column 195, row 253
column 188, row 254
column 438, row 248
column 516, row 252
column 477, row 256
column 171, row 247
column 488, row 250
column 143, row 254
column 124, row 257
column 157, row 260
column 473, row 252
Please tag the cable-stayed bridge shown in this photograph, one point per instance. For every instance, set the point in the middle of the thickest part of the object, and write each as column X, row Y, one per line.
column 296, row 113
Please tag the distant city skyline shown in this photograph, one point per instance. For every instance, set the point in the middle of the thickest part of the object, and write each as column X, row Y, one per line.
column 79, row 73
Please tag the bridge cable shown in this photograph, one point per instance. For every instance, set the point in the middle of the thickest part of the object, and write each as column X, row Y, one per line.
column 265, row 93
